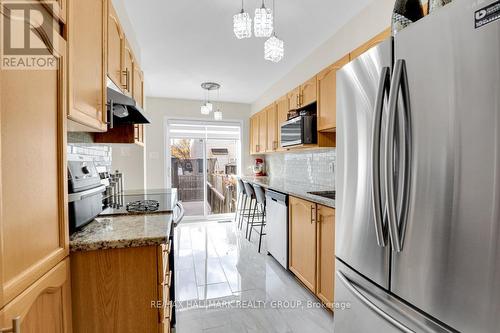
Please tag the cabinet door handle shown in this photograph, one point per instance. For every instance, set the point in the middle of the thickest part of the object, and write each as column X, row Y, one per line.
column 313, row 215
column 16, row 326
column 126, row 73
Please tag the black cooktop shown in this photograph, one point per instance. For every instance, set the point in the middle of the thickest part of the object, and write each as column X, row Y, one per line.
column 147, row 202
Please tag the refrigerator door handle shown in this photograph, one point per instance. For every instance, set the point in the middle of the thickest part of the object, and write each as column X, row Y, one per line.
column 350, row 285
column 378, row 214
column 397, row 219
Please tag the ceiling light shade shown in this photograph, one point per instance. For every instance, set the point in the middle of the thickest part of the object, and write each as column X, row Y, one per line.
column 218, row 115
column 263, row 21
column 242, row 25
column 204, row 109
column 274, row 49
column 209, row 106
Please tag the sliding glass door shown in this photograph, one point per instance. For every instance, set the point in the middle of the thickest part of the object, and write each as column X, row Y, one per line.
column 204, row 161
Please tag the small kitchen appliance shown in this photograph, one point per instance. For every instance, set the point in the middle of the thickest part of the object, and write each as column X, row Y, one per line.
column 85, row 193
column 258, row 168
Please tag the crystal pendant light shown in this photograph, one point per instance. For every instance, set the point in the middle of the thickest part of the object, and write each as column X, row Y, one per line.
column 242, row 24
column 208, row 106
column 263, row 21
column 204, row 110
column 218, row 115
column 274, row 48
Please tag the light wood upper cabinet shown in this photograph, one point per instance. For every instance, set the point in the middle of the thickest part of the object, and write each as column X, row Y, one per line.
column 327, row 101
column 272, row 128
column 116, row 40
column 87, row 63
column 371, row 43
column 294, row 99
column 262, row 147
column 281, row 114
column 302, row 241
column 308, row 92
column 254, row 134
column 33, row 172
column 138, row 85
column 325, row 254
column 45, row 306
column 128, row 69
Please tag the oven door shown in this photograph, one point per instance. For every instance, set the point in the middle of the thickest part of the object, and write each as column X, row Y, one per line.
column 291, row 132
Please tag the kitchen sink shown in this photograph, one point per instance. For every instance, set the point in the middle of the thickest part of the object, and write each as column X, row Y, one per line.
column 324, row 194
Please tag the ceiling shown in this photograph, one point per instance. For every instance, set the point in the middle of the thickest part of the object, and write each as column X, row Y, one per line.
column 186, row 42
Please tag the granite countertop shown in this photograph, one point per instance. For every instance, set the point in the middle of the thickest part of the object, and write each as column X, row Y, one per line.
column 293, row 189
column 122, row 231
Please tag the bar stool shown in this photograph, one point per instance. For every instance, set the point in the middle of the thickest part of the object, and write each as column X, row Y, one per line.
column 239, row 202
column 260, row 212
column 248, row 195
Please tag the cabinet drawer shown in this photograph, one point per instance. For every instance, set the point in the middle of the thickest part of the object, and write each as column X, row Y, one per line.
column 163, row 261
column 165, row 311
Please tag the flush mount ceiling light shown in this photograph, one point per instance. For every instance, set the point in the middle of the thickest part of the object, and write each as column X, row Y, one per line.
column 208, row 106
column 263, row 21
column 274, row 48
column 242, row 24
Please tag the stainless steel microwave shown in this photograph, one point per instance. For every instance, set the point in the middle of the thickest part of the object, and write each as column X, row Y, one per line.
column 300, row 130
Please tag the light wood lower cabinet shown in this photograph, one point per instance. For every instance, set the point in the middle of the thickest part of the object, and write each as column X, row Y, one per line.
column 302, row 242
column 43, row 307
column 131, row 286
column 311, row 247
column 325, row 254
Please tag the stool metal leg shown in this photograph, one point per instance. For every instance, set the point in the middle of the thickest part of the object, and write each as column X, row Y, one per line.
column 250, row 223
column 243, row 210
column 262, row 227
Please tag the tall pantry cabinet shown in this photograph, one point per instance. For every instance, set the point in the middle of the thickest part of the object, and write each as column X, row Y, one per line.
column 34, row 269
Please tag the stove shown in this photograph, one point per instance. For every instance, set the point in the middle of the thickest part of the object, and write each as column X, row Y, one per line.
column 142, row 206
column 142, row 202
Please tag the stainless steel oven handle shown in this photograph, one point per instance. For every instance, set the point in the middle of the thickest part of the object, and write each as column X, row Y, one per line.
column 383, row 88
column 366, row 301
column 181, row 213
column 85, row 194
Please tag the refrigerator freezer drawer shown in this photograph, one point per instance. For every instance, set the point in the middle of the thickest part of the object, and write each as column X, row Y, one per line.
column 366, row 308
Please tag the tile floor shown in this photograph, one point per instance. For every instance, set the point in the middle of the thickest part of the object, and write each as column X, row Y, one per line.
column 224, row 285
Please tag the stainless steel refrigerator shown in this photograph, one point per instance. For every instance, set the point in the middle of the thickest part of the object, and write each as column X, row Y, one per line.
column 418, row 178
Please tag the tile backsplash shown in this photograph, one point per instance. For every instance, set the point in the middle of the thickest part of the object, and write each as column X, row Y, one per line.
column 312, row 167
column 82, row 148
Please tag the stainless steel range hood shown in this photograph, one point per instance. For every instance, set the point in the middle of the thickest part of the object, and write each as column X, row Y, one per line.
column 124, row 110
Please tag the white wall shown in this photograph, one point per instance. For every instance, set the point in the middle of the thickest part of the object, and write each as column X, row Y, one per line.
column 129, row 159
column 159, row 109
column 127, row 28
column 368, row 23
